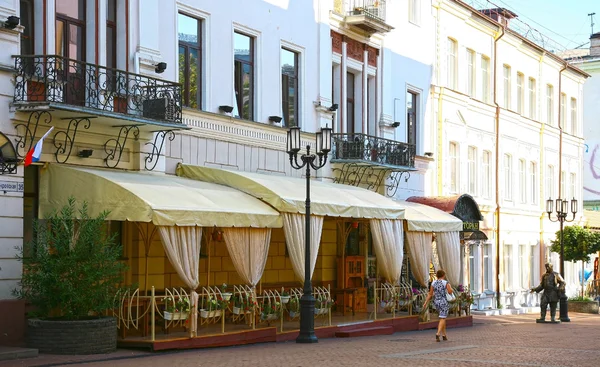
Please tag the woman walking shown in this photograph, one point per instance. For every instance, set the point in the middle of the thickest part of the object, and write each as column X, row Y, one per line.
column 437, row 291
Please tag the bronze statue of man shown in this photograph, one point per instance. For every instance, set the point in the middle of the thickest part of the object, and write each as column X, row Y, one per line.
column 552, row 284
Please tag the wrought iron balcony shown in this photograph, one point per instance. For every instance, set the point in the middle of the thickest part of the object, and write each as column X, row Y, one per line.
column 362, row 148
column 56, row 80
column 368, row 15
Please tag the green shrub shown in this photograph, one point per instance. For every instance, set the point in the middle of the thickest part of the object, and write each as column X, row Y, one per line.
column 70, row 270
column 580, row 299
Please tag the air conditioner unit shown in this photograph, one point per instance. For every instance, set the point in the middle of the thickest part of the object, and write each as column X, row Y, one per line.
column 159, row 109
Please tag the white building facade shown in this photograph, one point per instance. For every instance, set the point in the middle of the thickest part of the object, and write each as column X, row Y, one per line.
column 505, row 112
column 248, row 71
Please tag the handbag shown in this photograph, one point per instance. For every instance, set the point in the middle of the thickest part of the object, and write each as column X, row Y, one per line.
column 450, row 297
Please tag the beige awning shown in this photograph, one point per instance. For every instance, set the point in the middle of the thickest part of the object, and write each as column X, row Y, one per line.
column 152, row 197
column 288, row 194
column 425, row 218
column 592, row 218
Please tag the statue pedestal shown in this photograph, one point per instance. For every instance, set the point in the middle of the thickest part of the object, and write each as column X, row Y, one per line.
column 538, row 321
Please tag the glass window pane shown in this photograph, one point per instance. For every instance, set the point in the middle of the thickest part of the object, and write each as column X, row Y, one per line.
column 242, row 47
column 111, row 10
column 75, row 42
column 71, row 8
column 288, row 62
column 60, row 37
column 193, row 77
column 110, row 47
column 187, row 29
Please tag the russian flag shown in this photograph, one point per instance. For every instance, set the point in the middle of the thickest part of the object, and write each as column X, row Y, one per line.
column 34, row 153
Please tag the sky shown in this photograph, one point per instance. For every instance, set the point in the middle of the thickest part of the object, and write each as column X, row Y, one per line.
column 565, row 22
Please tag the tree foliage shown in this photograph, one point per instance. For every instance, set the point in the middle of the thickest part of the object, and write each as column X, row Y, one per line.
column 70, row 270
column 579, row 243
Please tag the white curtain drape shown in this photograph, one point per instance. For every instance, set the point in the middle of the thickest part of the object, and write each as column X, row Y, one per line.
column 248, row 249
column 293, row 227
column 448, row 249
column 419, row 253
column 182, row 246
column 388, row 241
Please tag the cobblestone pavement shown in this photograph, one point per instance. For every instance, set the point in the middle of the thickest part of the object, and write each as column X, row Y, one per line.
column 492, row 341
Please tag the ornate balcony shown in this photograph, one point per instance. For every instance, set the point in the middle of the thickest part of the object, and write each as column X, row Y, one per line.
column 52, row 89
column 368, row 15
column 367, row 160
column 51, row 79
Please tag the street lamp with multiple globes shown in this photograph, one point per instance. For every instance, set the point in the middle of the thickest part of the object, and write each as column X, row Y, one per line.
column 314, row 161
column 562, row 211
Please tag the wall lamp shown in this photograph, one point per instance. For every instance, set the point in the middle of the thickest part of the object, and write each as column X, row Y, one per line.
column 85, row 153
column 160, row 67
column 396, row 124
column 226, row 109
column 333, row 107
column 276, row 119
column 11, row 22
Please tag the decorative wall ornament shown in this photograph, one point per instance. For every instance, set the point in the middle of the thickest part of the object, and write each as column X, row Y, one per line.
column 117, row 151
column 159, row 140
column 65, row 147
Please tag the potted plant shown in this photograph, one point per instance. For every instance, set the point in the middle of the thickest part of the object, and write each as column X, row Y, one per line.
column 294, row 307
column 176, row 309
column 583, row 305
column 212, row 307
column 242, row 305
column 284, row 297
column 70, row 277
column 226, row 295
column 270, row 311
column 322, row 305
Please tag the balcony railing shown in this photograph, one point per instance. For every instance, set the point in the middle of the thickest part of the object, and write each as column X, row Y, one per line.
column 55, row 79
column 369, row 8
column 371, row 149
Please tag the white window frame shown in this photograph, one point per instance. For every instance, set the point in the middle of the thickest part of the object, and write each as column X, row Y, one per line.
column 471, row 72
column 520, row 93
column 452, row 63
column 301, row 82
column 486, row 178
column 533, row 185
column 506, row 83
column 414, row 12
column 523, row 181
column 508, row 184
column 572, row 186
column 257, row 39
column 472, row 170
column 574, row 122
column 550, row 182
column 563, row 187
column 563, row 111
column 485, row 79
column 453, row 155
column 550, row 104
column 532, row 86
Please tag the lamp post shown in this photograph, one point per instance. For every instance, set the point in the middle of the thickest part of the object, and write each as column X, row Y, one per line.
column 562, row 211
column 314, row 161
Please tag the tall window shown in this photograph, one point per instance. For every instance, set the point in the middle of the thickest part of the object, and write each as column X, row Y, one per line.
column 472, row 170
column 487, row 267
column 508, row 274
column 563, row 186
column 244, row 74
column 453, row 154
column 550, row 182
column 111, row 34
column 508, row 177
column 533, row 188
column 452, row 67
column 507, row 86
column 532, row 99
column 411, row 116
column 414, row 11
column 472, row 265
column 70, row 29
column 485, row 79
column 573, row 116
column 573, row 186
column 471, row 73
column 563, row 110
column 520, row 92
column 524, row 264
column 190, row 60
column 522, row 181
column 26, row 20
column 550, row 104
column 289, row 87
column 350, row 106
column 486, row 177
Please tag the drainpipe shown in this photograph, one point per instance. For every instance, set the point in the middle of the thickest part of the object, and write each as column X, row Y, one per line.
column 497, row 214
column 560, row 128
column 440, row 116
column 542, row 181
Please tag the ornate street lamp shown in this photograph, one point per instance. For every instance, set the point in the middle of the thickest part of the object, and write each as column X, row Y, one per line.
column 562, row 211
column 314, row 161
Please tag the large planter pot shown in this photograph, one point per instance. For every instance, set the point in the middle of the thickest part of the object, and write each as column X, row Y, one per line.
column 583, row 306
column 93, row 336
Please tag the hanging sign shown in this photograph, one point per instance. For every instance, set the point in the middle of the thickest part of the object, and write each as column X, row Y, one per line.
column 470, row 226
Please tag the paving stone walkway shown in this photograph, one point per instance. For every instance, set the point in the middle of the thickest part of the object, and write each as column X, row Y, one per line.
column 513, row 340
